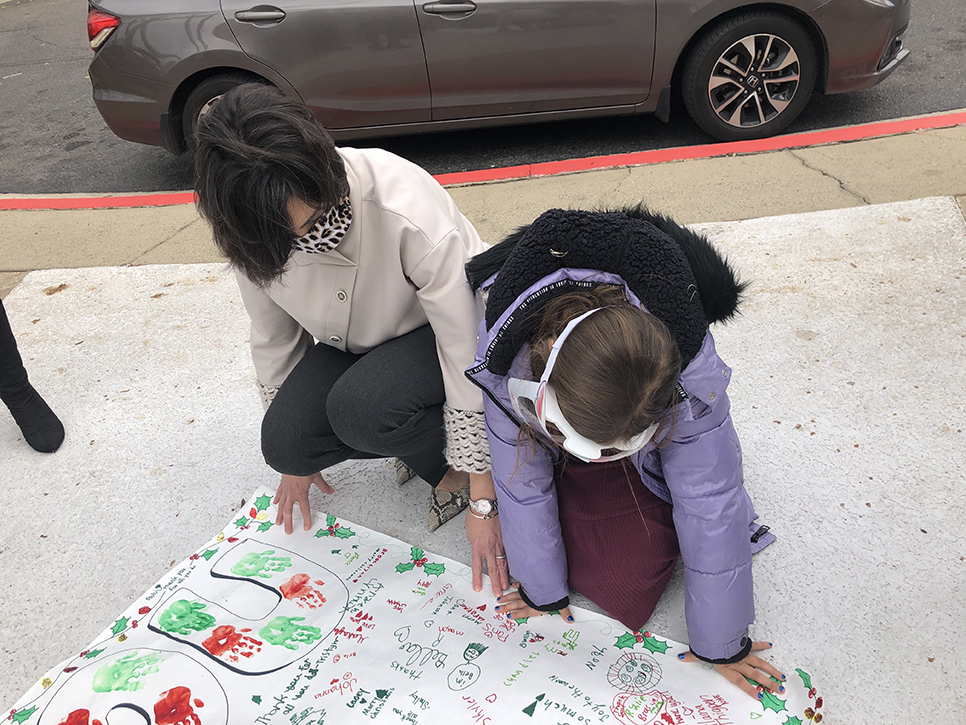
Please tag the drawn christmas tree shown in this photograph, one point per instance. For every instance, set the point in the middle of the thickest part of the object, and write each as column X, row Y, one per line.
column 419, row 561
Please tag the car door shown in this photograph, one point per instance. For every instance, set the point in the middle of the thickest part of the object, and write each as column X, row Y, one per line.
column 500, row 57
column 354, row 62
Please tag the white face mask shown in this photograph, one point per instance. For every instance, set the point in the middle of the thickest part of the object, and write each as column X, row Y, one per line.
column 536, row 404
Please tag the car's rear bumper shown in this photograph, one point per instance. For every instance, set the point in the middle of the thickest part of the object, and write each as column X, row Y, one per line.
column 864, row 39
column 131, row 106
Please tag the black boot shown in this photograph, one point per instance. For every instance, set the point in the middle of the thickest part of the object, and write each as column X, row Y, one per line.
column 40, row 427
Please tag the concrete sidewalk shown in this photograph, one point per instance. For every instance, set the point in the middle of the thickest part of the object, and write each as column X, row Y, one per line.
column 848, row 396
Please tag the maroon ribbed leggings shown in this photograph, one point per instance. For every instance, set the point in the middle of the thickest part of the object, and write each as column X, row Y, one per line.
column 620, row 553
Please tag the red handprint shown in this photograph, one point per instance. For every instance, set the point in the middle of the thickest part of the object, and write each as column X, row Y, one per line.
column 227, row 643
column 174, row 708
column 299, row 590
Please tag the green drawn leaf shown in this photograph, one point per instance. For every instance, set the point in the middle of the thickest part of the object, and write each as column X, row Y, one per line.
column 417, row 553
column 257, row 699
column 344, row 533
column 120, row 625
column 793, row 721
column 522, row 620
column 405, row 567
column 22, row 715
column 806, row 678
column 265, row 525
column 208, row 554
column 241, row 522
column 770, row 702
column 626, row 641
column 92, row 654
column 434, row 569
column 655, row 645
column 330, row 520
column 262, row 502
column 336, row 551
column 321, row 533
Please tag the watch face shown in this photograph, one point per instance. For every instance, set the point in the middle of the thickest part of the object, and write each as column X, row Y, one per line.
column 483, row 506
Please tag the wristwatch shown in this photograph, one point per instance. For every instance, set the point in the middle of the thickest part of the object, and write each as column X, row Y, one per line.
column 484, row 508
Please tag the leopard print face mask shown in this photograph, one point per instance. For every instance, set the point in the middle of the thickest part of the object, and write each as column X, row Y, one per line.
column 328, row 231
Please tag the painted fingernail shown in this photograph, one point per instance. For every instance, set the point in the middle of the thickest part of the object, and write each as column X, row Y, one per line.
column 770, row 644
column 781, row 688
column 681, row 656
column 783, row 677
column 497, row 607
column 499, row 598
column 760, row 696
column 570, row 619
column 507, row 614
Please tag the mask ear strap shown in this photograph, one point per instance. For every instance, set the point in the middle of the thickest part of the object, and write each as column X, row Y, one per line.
column 558, row 343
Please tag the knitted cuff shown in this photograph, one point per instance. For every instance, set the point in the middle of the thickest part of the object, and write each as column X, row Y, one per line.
column 267, row 393
column 741, row 654
column 467, row 448
column 552, row 607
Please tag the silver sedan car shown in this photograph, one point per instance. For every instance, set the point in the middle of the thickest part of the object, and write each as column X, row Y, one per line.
column 378, row 68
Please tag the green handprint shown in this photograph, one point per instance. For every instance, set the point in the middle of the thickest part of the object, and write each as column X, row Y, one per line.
column 284, row 632
column 125, row 673
column 184, row 617
column 262, row 565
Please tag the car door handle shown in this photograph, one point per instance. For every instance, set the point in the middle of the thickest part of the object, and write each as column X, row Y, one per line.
column 443, row 8
column 261, row 14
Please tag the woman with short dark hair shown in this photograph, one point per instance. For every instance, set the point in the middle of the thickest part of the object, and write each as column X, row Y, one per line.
column 363, row 252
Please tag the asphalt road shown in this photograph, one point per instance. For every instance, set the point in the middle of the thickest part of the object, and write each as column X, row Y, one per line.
column 52, row 139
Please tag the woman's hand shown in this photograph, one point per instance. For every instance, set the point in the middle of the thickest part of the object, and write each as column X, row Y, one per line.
column 751, row 667
column 295, row 490
column 512, row 605
column 486, row 543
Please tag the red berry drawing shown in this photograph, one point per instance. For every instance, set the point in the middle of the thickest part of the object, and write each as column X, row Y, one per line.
column 144, row 610
column 253, row 513
column 811, row 693
column 233, row 539
column 647, row 634
column 134, row 623
column 818, row 703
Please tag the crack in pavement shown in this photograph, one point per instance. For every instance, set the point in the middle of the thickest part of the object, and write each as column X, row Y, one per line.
column 834, row 178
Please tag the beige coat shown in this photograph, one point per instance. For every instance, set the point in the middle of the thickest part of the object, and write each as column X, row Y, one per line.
column 399, row 266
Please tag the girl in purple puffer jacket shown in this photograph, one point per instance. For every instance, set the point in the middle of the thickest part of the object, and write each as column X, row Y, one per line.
column 610, row 432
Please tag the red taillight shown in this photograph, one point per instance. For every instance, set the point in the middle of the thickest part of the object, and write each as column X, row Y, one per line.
column 100, row 25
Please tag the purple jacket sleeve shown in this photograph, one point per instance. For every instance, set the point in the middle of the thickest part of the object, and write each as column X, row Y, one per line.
column 712, row 513
column 528, row 510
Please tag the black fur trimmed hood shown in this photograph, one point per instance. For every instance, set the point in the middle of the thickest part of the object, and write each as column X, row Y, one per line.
column 676, row 273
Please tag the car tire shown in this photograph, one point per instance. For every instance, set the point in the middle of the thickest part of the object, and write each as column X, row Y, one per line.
column 205, row 92
column 750, row 76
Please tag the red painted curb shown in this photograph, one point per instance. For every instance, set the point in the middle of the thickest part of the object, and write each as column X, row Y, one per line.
column 640, row 158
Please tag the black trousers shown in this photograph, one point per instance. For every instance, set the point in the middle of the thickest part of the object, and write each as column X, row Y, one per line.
column 335, row 406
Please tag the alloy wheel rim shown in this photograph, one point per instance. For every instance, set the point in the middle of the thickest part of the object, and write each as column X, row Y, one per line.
column 754, row 80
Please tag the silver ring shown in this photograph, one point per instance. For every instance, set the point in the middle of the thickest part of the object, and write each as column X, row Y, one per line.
column 499, row 557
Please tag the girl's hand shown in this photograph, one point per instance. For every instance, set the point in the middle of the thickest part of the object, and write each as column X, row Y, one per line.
column 754, row 668
column 513, row 606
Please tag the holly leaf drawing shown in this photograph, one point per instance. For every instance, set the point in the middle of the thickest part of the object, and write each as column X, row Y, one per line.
column 241, row 522
column 257, row 699
column 22, row 715
column 654, row 645
column 806, row 678
column 330, row 520
column 405, row 567
column 344, row 533
column 336, row 551
column 770, row 702
column 262, row 502
column 92, row 654
column 793, row 721
column 522, row 620
column 265, row 526
column 417, row 553
column 626, row 641
column 120, row 625
column 209, row 553
column 434, row 569
column 321, row 533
